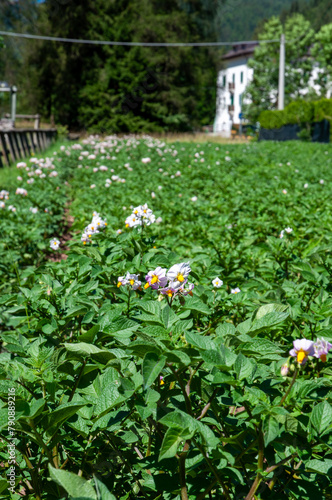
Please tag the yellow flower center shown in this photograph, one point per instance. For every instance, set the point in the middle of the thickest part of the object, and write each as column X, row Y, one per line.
column 169, row 293
column 132, row 282
column 301, row 355
column 162, row 382
column 146, row 285
column 119, row 284
column 180, row 277
column 127, row 225
column 154, row 279
column 323, row 358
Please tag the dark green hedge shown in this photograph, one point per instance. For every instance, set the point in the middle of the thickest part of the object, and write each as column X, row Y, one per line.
column 301, row 112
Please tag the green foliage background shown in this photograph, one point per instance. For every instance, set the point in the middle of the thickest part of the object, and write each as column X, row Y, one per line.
column 123, row 88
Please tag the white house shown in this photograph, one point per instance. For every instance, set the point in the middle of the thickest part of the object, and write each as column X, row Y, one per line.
column 231, row 84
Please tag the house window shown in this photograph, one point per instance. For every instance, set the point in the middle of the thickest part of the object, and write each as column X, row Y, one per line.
column 232, row 100
column 224, row 81
column 241, row 76
column 233, row 78
column 240, row 99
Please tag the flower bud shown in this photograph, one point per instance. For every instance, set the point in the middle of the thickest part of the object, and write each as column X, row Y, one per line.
column 284, row 370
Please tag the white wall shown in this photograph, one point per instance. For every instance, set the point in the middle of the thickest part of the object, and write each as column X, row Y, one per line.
column 224, row 119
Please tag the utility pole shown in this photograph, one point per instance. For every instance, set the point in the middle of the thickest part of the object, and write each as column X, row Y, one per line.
column 281, row 90
column 13, row 95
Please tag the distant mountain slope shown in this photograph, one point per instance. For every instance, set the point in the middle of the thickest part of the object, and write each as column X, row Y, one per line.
column 319, row 12
column 238, row 19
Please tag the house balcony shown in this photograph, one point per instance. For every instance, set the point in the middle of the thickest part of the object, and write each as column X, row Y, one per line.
column 231, row 108
column 231, row 87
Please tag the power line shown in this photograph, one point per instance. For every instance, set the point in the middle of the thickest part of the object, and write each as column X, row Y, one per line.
column 133, row 44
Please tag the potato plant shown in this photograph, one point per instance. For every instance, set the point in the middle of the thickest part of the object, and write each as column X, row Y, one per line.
column 176, row 344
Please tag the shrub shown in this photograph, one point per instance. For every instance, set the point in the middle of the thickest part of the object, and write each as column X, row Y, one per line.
column 272, row 119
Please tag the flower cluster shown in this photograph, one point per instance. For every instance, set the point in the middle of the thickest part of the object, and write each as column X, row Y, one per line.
column 21, row 191
column 4, row 195
column 93, row 228
column 142, row 215
column 171, row 282
column 130, row 280
column 303, row 348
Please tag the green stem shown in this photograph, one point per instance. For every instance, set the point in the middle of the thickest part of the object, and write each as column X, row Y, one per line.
column 260, row 462
column 289, row 388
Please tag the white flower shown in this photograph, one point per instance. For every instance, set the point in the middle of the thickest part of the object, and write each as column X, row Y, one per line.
column 178, row 274
column 160, row 187
column 19, row 178
column 133, row 221
column 55, row 244
column 153, row 195
column 34, row 210
column 178, row 173
column 118, row 231
column 146, row 160
column 12, row 208
column 159, row 220
column 132, row 279
column 217, row 283
column 321, row 181
column 306, row 185
column 2, row 204
column 194, row 198
column 30, row 181
column 235, row 290
column 92, row 186
column 284, row 191
column 228, row 158
column 289, row 230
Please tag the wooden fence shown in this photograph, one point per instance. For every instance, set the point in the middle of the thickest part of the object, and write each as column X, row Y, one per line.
column 21, row 143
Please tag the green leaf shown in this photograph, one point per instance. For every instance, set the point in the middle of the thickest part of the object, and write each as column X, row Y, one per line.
column 171, row 441
column 320, row 466
column 321, row 416
column 200, row 341
column 225, row 329
column 268, row 321
column 270, row 429
column 103, row 492
column 75, row 486
column 243, row 367
column 269, row 308
column 54, row 419
column 151, row 367
column 195, row 304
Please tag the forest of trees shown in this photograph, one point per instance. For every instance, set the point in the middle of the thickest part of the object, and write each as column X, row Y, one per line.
column 112, row 88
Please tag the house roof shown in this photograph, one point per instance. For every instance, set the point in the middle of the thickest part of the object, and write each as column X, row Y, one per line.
column 245, row 49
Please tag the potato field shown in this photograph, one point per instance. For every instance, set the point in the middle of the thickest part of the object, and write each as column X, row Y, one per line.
column 165, row 322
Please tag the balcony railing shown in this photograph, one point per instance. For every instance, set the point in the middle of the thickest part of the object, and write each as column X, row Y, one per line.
column 231, row 86
column 231, row 108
